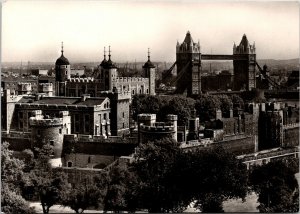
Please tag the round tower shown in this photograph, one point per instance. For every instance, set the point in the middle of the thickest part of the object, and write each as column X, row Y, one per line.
column 46, row 130
column 149, row 72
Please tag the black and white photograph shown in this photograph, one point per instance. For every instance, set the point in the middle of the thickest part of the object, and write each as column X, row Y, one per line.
column 164, row 106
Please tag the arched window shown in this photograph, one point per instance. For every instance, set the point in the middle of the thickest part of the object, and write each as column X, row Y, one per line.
column 69, row 164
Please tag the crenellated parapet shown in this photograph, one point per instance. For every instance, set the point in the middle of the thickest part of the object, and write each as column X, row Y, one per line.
column 121, row 80
column 42, row 122
column 82, row 80
column 158, row 127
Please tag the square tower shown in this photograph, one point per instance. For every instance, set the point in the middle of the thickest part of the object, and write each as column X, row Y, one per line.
column 188, row 61
column 244, row 70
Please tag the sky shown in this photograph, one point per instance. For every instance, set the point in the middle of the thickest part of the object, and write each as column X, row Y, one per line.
column 33, row 30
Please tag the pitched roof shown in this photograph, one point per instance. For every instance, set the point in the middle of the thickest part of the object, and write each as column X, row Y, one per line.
column 90, row 102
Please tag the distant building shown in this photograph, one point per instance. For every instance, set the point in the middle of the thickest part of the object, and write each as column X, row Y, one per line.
column 106, row 79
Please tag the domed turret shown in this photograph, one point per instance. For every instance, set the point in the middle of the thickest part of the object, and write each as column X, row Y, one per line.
column 104, row 61
column 148, row 64
column 62, row 71
column 62, row 60
column 109, row 64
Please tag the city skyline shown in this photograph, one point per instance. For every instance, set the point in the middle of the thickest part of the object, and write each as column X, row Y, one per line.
column 130, row 28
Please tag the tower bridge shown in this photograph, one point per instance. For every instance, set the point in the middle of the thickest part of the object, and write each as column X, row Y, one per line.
column 189, row 68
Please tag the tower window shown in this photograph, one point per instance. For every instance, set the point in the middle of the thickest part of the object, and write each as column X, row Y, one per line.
column 123, row 114
column 51, row 142
column 60, row 131
column 69, row 164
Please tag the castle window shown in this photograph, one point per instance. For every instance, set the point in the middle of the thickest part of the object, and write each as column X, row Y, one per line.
column 123, row 114
column 69, row 164
column 66, row 71
column 147, row 91
column 132, row 91
column 123, row 125
column 89, row 159
column 51, row 142
column 60, row 131
column 104, row 116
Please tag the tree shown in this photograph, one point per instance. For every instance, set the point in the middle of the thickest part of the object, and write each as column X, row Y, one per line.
column 206, row 107
column 49, row 184
column 180, row 106
column 226, row 103
column 237, row 101
column 82, row 195
column 217, row 176
column 276, row 187
column 154, row 165
column 120, row 189
column 11, row 183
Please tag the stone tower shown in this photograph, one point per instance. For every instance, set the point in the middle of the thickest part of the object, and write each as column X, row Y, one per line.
column 46, row 130
column 108, row 72
column 62, row 73
column 244, row 70
column 149, row 72
column 188, row 61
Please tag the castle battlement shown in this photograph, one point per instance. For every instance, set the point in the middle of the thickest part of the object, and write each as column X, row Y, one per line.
column 45, row 122
column 130, row 79
column 158, row 127
column 86, row 79
column 143, row 117
column 117, row 94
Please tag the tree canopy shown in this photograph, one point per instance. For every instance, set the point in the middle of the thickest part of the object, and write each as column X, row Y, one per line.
column 168, row 178
column 276, row 187
column 12, row 180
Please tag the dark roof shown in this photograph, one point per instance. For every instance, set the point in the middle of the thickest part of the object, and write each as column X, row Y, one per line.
column 244, row 41
column 62, row 60
column 63, row 100
column 188, row 38
column 149, row 64
column 109, row 64
column 103, row 63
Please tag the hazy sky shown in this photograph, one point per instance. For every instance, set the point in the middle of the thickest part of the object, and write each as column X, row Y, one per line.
column 33, row 30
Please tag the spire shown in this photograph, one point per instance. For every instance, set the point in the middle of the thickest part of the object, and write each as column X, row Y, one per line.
column 62, row 48
column 104, row 53
column 109, row 53
column 148, row 54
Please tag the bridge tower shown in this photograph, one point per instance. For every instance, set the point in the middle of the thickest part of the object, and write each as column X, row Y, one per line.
column 188, row 61
column 244, row 70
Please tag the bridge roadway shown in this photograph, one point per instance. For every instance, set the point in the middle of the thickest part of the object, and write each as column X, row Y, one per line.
column 223, row 57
